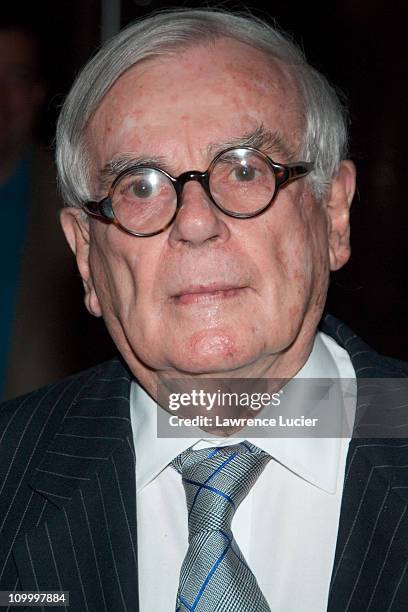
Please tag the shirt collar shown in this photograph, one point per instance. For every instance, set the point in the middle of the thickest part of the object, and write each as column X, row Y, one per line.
column 315, row 460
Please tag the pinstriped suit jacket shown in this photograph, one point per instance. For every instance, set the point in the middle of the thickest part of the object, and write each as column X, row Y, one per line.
column 68, row 501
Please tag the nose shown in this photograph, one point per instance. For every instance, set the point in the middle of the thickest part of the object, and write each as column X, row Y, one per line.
column 198, row 221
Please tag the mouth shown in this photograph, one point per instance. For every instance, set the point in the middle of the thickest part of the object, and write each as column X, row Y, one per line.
column 204, row 294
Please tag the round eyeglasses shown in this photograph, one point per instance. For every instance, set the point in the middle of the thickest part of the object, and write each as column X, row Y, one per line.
column 241, row 182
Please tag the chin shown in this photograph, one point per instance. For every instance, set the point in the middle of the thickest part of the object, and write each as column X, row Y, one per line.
column 209, row 352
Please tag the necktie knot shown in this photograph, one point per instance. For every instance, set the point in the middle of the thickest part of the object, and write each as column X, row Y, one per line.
column 216, row 481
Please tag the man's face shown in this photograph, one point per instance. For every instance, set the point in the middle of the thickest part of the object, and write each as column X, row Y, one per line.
column 21, row 92
column 211, row 294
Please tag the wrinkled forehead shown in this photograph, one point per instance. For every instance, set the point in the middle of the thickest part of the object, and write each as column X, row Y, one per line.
column 202, row 94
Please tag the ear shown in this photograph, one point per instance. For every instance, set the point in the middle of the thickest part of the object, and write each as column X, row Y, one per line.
column 338, row 205
column 76, row 230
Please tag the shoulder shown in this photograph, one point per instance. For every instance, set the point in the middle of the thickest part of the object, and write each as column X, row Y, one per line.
column 366, row 361
column 44, row 408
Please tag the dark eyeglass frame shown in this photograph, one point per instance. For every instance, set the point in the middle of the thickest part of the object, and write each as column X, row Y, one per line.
column 284, row 174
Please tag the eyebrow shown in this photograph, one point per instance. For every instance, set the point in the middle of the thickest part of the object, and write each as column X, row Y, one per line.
column 259, row 138
column 122, row 162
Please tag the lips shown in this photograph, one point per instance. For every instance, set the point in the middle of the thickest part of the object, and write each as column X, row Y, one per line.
column 207, row 293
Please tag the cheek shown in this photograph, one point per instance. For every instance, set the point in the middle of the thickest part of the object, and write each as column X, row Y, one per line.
column 297, row 266
column 316, row 249
column 124, row 278
column 113, row 271
column 289, row 255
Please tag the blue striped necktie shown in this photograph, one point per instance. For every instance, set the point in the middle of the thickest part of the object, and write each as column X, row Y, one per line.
column 214, row 575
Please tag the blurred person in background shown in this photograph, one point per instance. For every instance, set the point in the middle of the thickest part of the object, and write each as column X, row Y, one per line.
column 39, row 285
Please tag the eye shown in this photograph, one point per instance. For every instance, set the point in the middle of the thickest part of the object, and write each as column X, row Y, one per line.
column 142, row 188
column 244, row 173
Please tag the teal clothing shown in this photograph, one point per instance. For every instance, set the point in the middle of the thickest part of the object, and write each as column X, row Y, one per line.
column 14, row 206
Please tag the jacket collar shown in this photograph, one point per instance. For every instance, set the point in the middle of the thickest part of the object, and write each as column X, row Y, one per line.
column 369, row 569
column 85, row 542
column 89, row 426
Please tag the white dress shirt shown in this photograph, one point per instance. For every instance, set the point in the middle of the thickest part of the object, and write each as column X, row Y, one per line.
column 287, row 525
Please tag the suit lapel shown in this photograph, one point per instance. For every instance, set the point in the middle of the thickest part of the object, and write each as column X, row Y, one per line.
column 86, row 541
column 370, row 567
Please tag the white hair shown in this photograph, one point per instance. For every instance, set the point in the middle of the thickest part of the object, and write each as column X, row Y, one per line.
column 324, row 139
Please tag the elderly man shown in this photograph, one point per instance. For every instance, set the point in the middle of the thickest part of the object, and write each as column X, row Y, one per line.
column 202, row 162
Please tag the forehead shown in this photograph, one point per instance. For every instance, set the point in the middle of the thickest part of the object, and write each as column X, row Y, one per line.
column 203, row 95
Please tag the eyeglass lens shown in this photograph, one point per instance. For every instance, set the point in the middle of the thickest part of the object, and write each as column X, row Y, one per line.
column 241, row 181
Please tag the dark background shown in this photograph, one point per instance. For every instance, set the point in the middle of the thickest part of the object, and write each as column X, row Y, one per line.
column 361, row 47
